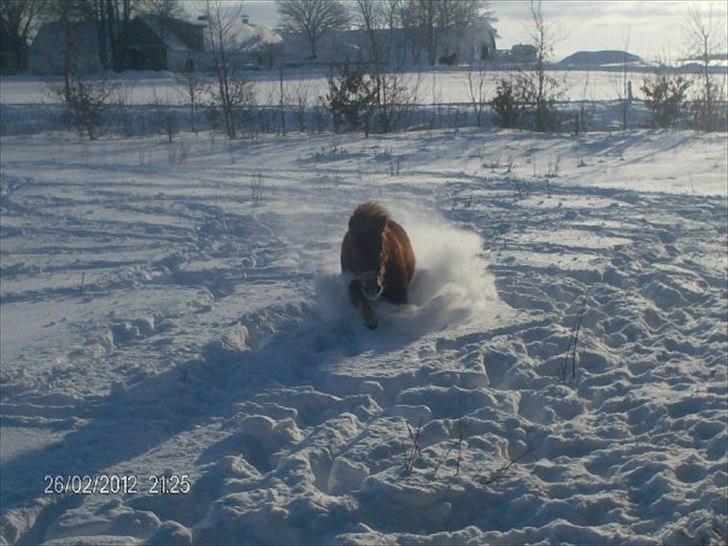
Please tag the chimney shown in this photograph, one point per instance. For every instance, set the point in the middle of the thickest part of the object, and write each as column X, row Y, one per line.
column 246, row 19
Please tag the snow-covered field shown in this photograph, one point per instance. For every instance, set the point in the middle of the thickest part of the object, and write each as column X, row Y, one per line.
column 158, row 320
column 437, row 86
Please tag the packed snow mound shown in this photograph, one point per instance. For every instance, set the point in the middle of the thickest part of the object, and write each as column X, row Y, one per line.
column 600, row 58
column 451, row 287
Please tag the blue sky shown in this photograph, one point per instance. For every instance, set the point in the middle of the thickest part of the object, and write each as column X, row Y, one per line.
column 654, row 26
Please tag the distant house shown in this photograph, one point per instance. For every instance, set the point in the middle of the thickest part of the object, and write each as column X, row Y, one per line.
column 154, row 43
column 257, row 44
column 402, row 46
column 157, row 43
column 249, row 46
column 47, row 53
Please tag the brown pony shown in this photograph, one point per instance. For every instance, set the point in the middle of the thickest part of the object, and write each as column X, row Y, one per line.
column 377, row 251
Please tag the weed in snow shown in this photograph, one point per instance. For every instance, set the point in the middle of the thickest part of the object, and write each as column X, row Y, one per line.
column 256, row 189
column 569, row 362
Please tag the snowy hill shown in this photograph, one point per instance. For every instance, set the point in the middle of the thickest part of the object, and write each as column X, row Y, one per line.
column 608, row 57
column 559, row 376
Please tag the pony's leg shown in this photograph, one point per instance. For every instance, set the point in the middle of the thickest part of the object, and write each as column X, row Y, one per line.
column 361, row 303
column 395, row 286
column 398, row 296
column 395, row 292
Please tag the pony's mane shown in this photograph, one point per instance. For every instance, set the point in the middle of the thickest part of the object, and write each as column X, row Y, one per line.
column 368, row 217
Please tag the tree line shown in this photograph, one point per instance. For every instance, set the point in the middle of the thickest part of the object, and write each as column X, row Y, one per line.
column 313, row 19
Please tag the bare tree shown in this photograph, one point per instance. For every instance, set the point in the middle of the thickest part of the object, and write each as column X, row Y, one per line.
column 424, row 14
column 622, row 85
column 626, row 87
column 313, row 18
column 477, row 78
column 300, row 95
column 165, row 118
column 393, row 12
column 393, row 97
column 584, row 115
column 112, row 18
column 374, row 16
column 18, row 20
column 283, row 98
column 87, row 102
column 67, row 12
column 546, row 87
column 233, row 92
column 192, row 87
column 371, row 16
column 705, row 34
column 433, row 18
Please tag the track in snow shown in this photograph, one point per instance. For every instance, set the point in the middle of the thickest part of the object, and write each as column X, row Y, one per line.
column 156, row 320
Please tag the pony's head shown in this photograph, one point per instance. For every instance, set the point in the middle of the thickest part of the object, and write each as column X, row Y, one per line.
column 367, row 228
column 372, row 284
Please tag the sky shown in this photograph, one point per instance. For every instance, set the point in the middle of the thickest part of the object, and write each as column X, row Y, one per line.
column 654, row 27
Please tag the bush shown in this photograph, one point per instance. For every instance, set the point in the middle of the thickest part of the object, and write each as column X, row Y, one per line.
column 665, row 97
column 213, row 117
column 87, row 104
column 709, row 109
column 351, row 98
column 511, row 102
column 165, row 119
column 516, row 106
column 394, row 98
column 505, row 105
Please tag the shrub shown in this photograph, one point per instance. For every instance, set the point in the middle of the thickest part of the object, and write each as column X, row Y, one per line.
column 665, row 97
column 87, row 104
column 351, row 98
column 709, row 109
column 507, row 105
column 165, row 119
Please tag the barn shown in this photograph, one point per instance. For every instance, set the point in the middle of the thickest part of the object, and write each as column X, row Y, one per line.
column 47, row 54
column 154, row 43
